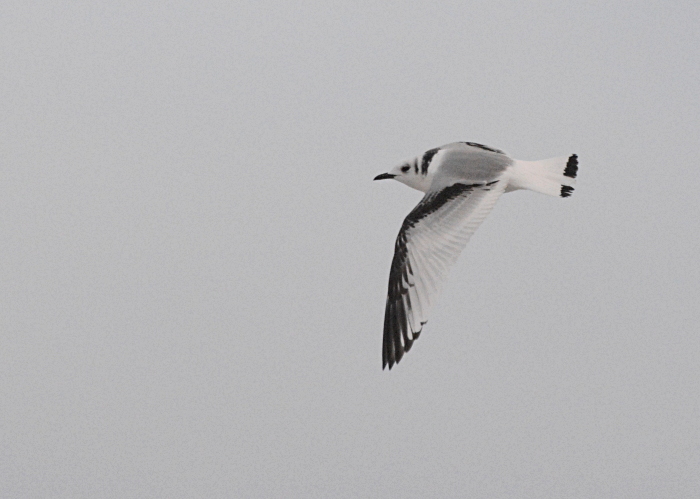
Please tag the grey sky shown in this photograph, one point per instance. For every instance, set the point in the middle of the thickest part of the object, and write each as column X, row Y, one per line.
column 194, row 257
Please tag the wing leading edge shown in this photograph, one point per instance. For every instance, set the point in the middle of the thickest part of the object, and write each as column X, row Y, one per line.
column 430, row 240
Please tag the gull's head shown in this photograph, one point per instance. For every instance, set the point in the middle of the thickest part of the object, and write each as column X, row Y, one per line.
column 408, row 173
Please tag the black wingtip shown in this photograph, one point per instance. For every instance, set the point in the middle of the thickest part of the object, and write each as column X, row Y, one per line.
column 566, row 191
column 571, row 167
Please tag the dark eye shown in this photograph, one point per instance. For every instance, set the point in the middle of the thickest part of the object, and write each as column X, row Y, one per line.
column 405, row 168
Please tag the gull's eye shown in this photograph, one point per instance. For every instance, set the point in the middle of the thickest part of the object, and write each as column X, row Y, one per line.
column 405, row 168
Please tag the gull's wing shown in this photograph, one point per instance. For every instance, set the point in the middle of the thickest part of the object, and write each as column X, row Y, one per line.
column 431, row 238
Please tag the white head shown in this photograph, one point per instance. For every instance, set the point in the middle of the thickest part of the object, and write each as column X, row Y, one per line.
column 411, row 174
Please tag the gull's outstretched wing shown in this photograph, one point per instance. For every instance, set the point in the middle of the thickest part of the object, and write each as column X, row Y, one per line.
column 431, row 238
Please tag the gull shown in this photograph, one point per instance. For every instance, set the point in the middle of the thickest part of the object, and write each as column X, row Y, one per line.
column 462, row 181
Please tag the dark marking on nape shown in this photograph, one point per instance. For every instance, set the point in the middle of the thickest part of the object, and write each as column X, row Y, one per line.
column 485, row 148
column 415, row 165
column 566, row 191
column 427, row 158
column 571, row 166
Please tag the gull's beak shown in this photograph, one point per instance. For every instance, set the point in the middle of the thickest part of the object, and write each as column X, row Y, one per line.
column 384, row 175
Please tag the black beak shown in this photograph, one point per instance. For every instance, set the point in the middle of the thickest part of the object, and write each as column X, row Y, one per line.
column 384, row 175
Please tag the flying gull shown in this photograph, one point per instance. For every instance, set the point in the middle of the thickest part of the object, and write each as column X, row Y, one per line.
column 461, row 181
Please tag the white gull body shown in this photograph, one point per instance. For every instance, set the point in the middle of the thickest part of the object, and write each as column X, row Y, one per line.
column 462, row 181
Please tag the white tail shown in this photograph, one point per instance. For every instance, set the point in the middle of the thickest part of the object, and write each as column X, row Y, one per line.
column 555, row 176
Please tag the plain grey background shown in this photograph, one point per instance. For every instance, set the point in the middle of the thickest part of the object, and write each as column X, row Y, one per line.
column 193, row 255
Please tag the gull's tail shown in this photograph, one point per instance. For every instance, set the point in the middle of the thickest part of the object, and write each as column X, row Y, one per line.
column 556, row 176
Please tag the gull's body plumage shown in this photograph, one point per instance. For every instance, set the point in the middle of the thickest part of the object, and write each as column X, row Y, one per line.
column 462, row 181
